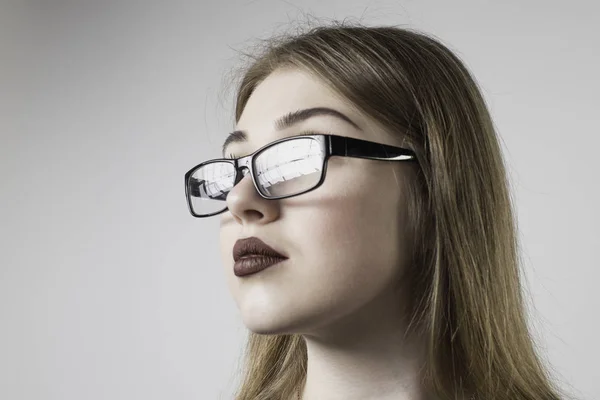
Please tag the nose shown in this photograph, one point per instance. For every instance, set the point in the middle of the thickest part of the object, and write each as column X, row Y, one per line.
column 246, row 204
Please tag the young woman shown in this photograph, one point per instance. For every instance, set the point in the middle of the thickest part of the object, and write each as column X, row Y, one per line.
column 367, row 231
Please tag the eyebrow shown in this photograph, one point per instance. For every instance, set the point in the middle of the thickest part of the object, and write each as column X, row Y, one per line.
column 288, row 120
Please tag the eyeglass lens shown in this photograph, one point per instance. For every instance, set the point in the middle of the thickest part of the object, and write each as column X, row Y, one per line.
column 284, row 169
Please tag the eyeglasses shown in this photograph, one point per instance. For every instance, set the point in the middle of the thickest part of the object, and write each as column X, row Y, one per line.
column 284, row 168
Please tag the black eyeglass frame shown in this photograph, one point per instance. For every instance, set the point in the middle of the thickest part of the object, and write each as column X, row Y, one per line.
column 332, row 145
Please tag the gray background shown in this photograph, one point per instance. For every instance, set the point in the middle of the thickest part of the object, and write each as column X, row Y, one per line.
column 109, row 289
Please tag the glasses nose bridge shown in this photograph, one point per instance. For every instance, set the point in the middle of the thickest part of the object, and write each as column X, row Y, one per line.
column 243, row 166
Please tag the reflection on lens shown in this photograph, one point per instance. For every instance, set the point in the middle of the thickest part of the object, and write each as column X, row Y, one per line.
column 289, row 167
column 209, row 185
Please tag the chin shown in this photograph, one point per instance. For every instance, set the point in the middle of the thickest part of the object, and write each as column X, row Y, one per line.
column 267, row 328
column 270, row 322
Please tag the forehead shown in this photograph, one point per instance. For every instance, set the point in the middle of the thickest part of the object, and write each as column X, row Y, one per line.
column 288, row 90
column 291, row 90
column 285, row 90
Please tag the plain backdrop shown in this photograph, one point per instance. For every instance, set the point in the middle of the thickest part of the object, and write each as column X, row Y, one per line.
column 110, row 289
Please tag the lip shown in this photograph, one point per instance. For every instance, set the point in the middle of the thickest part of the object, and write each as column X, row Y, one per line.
column 252, row 264
column 252, row 255
column 254, row 246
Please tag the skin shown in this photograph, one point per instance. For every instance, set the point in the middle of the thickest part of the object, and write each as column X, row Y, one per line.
column 346, row 247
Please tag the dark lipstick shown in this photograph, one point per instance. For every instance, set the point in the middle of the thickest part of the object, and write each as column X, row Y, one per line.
column 252, row 255
column 253, row 264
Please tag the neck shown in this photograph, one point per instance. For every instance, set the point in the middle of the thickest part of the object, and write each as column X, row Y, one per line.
column 365, row 355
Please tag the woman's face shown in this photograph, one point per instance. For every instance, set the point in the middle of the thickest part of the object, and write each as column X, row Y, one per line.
column 344, row 240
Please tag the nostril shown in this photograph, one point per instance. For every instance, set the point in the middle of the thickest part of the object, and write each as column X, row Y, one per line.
column 253, row 215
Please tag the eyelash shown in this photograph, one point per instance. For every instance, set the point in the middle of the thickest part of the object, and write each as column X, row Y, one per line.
column 307, row 132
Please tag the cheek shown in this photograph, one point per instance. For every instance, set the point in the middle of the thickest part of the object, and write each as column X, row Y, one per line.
column 351, row 251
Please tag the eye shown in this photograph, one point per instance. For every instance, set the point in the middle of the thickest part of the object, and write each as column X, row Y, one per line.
column 306, row 132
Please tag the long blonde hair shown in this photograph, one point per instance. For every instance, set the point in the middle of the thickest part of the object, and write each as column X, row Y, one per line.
column 466, row 295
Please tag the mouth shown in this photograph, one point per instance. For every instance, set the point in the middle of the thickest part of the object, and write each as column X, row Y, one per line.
column 253, row 263
column 252, row 255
